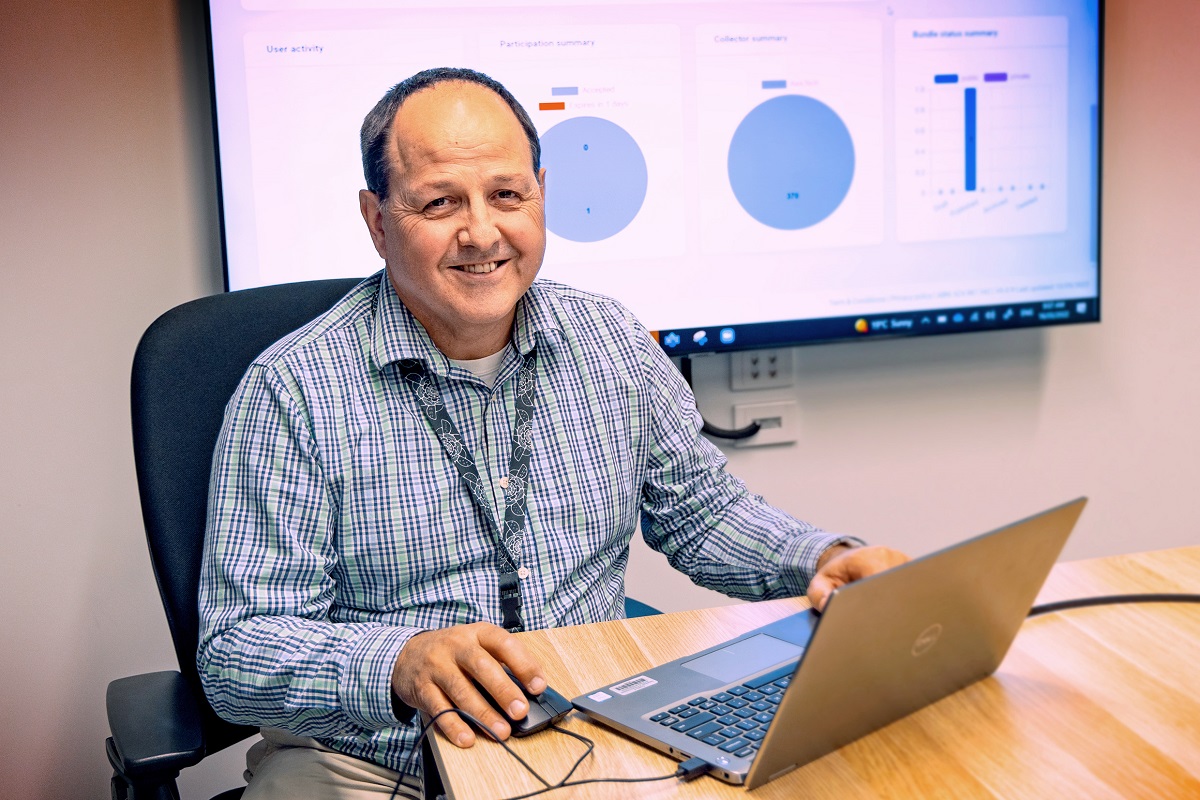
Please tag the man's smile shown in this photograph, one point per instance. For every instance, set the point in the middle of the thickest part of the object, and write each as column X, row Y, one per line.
column 481, row 268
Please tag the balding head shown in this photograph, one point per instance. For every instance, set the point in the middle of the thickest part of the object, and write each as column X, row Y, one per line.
column 376, row 132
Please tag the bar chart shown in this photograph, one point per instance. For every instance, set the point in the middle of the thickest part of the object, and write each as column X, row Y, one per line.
column 981, row 128
column 1018, row 115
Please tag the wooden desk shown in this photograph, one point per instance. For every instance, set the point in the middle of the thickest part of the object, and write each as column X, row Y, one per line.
column 1090, row 703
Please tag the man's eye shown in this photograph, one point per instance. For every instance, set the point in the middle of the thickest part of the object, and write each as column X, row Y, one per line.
column 507, row 194
column 441, row 202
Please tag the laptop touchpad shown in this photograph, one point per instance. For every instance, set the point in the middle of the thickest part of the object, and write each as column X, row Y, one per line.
column 744, row 658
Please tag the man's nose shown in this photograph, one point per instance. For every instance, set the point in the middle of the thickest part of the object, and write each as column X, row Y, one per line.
column 479, row 227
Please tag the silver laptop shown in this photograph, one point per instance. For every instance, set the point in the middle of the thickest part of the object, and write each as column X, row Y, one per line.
column 758, row 706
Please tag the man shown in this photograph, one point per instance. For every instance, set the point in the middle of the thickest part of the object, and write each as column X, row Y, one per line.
column 452, row 447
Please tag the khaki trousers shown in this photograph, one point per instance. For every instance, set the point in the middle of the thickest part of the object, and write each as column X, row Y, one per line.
column 287, row 767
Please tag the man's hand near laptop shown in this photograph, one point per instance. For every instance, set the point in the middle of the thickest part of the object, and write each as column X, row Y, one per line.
column 438, row 670
column 842, row 564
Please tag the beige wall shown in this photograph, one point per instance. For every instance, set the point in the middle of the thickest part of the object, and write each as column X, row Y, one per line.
column 107, row 219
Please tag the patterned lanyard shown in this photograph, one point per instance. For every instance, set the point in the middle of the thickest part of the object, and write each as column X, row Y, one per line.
column 511, row 537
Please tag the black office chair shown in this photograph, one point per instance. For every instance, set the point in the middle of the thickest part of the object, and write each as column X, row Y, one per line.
column 185, row 369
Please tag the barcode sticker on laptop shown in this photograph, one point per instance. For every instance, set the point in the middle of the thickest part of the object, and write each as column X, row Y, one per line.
column 633, row 685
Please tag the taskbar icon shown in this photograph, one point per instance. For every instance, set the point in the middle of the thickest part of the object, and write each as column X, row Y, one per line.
column 673, row 339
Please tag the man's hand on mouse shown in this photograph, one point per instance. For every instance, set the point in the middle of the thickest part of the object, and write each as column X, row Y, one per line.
column 842, row 564
column 435, row 669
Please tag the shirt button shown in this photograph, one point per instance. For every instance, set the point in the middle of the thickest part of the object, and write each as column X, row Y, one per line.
column 504, row 482
column 523, row 573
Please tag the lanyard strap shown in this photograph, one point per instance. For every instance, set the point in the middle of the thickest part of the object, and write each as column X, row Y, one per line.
column 511, row 535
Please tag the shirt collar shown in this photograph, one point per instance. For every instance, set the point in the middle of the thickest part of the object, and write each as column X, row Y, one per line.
column 396, row 334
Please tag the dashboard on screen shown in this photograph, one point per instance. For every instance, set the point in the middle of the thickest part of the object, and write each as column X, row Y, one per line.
column 739, row 174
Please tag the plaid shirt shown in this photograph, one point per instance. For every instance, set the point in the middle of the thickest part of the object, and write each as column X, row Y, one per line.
column 338, row 528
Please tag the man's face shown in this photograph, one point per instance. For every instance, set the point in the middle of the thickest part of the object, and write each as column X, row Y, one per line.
column 463, row 231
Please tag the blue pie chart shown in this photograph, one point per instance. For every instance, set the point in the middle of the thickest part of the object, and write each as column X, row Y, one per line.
column 791, row 162
column 595, row 178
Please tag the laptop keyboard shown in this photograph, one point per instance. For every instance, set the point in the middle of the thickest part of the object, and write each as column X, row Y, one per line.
column 735, row 719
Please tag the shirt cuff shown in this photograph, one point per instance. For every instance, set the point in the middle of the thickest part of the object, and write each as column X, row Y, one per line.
column 798, row 561
column 365, row 691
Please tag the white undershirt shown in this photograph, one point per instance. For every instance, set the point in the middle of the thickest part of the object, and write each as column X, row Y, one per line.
column 487, row 369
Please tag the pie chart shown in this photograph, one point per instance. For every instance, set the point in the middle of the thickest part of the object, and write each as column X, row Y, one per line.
column 596, row 178
column 791, row 162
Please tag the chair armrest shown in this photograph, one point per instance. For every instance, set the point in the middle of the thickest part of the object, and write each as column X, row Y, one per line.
column 155, row 723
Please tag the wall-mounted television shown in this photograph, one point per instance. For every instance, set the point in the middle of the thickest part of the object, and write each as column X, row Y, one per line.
column 739, row 174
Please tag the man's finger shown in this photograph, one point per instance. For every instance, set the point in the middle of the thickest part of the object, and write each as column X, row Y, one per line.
column 510, row 651
column 818, row 591
column 434, row 702
column 480, row 673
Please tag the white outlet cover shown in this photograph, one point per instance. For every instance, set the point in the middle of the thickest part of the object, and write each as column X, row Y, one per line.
column 786, row 412
column 752, row 369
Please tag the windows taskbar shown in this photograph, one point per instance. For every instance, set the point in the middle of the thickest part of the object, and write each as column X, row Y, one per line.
column 728, row 338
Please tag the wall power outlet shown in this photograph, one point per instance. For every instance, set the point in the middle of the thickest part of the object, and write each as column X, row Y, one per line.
column 778, row 422
column 761, row 369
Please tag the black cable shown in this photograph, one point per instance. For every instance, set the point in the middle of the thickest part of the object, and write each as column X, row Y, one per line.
column 590, row 747
column 569, row 784
column 482, row 727
column 685, row 366
column 687, row 770
column 1111, row 599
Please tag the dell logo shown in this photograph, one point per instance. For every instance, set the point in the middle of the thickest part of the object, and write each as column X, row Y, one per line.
column 927, row 639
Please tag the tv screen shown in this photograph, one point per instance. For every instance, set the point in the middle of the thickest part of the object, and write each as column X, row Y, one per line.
column 739, row 174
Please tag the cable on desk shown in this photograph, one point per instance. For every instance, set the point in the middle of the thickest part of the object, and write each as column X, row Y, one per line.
column 692, row 768
column 675, row 774
column 482, row 727
column 1111, row 599
column 686, row 771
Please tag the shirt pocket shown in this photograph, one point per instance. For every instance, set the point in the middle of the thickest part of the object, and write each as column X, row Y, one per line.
column 411, row 540
column 586, row 467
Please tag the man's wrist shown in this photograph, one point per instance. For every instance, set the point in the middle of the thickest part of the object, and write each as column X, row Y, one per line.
column 798, row 559
column 403, row 711
column 832, row 552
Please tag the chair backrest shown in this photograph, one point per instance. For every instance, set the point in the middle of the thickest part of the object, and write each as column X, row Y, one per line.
column 185, row 369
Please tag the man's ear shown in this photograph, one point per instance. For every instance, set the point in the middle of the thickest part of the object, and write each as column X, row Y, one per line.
column 372, row 211
column 542, row 181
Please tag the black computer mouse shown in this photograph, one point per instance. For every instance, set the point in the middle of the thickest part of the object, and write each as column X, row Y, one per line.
column 545, row 709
